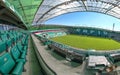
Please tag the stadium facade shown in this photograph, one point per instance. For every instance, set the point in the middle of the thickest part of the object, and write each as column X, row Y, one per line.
column 27, row 53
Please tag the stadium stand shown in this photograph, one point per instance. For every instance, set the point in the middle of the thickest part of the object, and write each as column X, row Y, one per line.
column 50, row 33
column 115, row 35
column 89, row 31
column 16, row 14
column 59, row 48
column 115, row 57
column 13, row 58
column 71, row 53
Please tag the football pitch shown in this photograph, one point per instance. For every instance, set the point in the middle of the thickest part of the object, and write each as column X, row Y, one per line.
column 87, row 42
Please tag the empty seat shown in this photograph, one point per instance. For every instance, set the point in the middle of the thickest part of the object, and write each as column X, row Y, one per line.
column 17, row 56
column 2, row 46
column 12, row 52
column 24, row 41
column 11, row 37
column 1, row 32
column 4, row 37
column 9, row 43
column 22, row 49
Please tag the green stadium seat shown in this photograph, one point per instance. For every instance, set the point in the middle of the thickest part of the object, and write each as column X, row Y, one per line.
column 4, row 37
column 1, row 32
column 24, row 41
column 9, row 67
column 6, row 63
column 2, row 46
column 9, row 43
column 15, row 39
column 18, row 69
column 21, row 48
column 17, row 56
column 11, row 37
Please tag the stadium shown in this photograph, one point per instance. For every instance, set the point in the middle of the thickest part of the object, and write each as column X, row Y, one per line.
column 28, row 46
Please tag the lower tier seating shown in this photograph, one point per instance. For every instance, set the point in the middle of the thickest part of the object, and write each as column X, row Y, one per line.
column 13, row 51
column 115, row 57
column 9, row 66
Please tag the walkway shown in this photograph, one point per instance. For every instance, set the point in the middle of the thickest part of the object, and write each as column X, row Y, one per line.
column 32, row 65
column 58, row 66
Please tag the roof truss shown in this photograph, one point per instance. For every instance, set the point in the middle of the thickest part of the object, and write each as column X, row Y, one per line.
column 52, row 8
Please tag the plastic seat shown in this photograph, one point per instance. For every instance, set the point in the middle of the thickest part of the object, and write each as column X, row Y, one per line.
column 22, row 49
column 15, row 39
column 2, row 46
column 24, row 41
column 1, row 32
column 17, row 56
column 9, row 67
column 11, row 37
column 4, row 37
column 9, row 43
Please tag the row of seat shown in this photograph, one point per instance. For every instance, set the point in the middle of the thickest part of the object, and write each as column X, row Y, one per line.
column 115, row 57
column 60, row 48
column 13, row 51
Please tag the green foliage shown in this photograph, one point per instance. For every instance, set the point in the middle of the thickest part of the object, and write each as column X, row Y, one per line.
column 87, row 42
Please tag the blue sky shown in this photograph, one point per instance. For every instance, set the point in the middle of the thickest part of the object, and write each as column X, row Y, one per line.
column 90, row 19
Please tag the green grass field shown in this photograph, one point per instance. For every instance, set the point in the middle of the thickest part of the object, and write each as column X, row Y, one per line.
column 85, row 42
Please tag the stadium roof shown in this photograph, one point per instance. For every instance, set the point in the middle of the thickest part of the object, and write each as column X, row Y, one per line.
column 23, row 10
column 39, row 11
column 7, row 16
column 52, row 8
column 26, row 8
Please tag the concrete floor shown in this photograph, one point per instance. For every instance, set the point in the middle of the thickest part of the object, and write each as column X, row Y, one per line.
column 32, row 65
